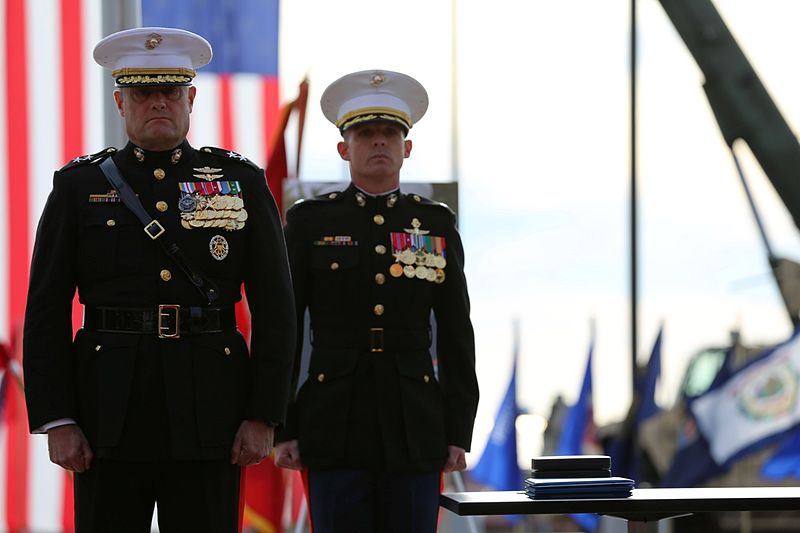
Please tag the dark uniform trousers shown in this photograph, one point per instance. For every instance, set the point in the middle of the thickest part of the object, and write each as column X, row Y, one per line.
column 362, row 501
column 373, row 418
column 159, row 379
column 193, row 496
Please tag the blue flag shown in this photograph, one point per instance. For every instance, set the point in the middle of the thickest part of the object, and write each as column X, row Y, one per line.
column 785, row 462
column 692, row 463
column 625, row 461
column 647, row 388
column 578, row 420
column 578, row 417
column 497, row 467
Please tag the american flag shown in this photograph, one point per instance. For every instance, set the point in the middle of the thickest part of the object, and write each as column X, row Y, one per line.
column 50, row 112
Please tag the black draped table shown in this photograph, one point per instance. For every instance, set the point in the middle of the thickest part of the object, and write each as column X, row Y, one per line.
column 642, row 510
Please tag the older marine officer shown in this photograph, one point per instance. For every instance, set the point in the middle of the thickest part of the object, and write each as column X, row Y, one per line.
column 158, row 399
column 374, row 422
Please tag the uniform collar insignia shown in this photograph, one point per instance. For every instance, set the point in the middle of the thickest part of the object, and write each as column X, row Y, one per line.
column 174, row 155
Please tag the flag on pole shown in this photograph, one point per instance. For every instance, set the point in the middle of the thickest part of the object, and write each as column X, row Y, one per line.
column 578, row 432
column 756, row 405
column 498, row 467
column 278, row 168
column 692, row 463
column 625, row 460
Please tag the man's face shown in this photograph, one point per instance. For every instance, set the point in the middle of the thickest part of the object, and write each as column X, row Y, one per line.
column 375, row 150
column 157, row 117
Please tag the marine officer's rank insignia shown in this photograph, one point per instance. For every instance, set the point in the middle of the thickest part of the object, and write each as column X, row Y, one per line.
column 418, row 254
column 218, row 246
column 212, row 204
column 112, row 196
column 207, row 173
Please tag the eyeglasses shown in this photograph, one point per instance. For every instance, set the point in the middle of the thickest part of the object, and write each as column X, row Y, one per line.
column 143, row 94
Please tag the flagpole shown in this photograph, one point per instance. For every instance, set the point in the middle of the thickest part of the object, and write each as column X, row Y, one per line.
column 454, row 139
column 116, row 16
column 633, row 203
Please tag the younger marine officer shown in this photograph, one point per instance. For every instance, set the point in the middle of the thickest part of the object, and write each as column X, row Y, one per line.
column 158, row 399
column 374, row 422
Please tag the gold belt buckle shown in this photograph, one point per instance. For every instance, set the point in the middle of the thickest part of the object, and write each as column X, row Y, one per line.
column 167, row 311
column 375, row 339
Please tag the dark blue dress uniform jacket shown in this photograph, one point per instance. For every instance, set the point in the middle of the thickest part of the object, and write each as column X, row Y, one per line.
column 378, row 410
column 137, row 396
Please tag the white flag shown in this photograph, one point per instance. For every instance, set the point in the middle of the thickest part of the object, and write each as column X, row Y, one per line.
column 755, row 403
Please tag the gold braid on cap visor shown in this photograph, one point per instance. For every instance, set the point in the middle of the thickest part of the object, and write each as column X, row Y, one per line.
column 153, row 76
column 366, row 114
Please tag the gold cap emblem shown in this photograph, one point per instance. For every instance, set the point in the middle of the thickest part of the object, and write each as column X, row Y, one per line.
column 153, row 40
column 377, row 79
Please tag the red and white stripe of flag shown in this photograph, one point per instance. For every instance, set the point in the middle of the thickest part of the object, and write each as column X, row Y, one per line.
column 49, row 91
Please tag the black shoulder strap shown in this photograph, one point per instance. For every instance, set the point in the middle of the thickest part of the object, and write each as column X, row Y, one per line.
column 154, row 230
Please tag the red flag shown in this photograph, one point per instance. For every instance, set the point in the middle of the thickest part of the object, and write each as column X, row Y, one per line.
column 263, row 509
column 277, row 167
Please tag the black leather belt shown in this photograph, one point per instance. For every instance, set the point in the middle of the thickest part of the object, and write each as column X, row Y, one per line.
column 373, row 339
column 166, row 321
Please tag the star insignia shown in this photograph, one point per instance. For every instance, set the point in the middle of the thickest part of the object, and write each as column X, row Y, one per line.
column 234, row 155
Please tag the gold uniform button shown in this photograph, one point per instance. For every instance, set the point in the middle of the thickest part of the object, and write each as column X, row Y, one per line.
column 111, row 222
column 426, row 378
column 333, row 195
column 378, row 310
column 97, row 348
column 380, row 249
column 334, row 266
column 380, row 279
column 321, row 377
column 162, row 206
column 159, row 173
column 379, row 220
column 417, row 198
column 166, row 275
column 227, row 351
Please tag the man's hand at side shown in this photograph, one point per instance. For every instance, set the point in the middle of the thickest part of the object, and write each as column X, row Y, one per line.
column 456, row 459
column 253, row 443
column 69, row 448
column 287, row 455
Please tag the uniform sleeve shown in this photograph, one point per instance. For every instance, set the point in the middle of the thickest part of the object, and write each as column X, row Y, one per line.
column 48, row 357
column 456, row 346
column 268, row 288
column 299, row 262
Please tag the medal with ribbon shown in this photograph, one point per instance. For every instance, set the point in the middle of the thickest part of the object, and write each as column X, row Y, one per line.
column 418, row 254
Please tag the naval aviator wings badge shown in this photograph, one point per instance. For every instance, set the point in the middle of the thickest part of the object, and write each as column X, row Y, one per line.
column 207, row 173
